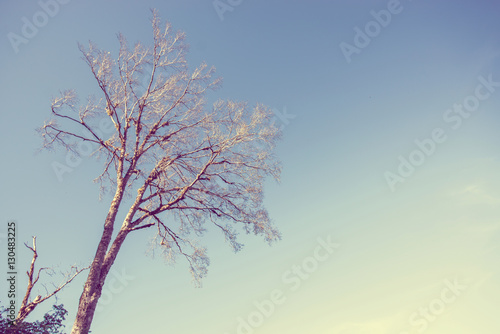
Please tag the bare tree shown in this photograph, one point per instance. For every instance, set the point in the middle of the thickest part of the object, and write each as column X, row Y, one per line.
column 28, row 304
column 184, row 165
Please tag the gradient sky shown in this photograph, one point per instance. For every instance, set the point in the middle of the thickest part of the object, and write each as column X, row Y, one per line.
column 400, row 249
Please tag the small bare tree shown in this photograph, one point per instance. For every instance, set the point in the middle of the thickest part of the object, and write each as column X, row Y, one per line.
column 184, row 165
column 29, row 304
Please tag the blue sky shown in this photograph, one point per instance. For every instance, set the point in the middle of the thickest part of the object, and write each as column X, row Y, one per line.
column 428, row 243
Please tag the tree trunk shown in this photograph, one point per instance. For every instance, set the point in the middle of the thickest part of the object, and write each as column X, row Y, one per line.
column 88, row 301
column 98, row 271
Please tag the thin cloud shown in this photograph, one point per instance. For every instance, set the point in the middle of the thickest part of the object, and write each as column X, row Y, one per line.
column 476, row 193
